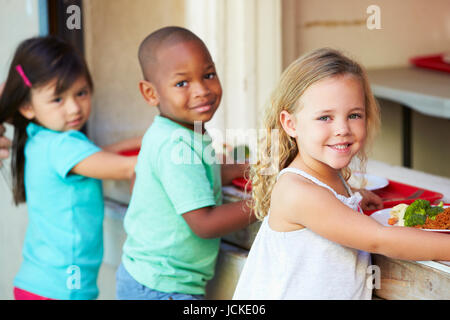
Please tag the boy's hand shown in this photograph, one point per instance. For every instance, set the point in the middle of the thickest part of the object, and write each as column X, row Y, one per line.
column 370, row 200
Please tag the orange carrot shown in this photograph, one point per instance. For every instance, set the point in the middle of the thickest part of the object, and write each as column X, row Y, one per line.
column 392, row 221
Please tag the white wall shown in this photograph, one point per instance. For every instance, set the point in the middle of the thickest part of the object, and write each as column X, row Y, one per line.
column 19, row 19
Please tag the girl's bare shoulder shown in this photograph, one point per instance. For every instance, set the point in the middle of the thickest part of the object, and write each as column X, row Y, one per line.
column 291, row 188
column 292, row 197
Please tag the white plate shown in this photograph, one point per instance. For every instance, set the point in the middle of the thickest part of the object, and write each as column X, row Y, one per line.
column 382, row 216
column 373, row 182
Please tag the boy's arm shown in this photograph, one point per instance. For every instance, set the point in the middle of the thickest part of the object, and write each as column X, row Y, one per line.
column 127, row 144
column 106, row 165
column 214, row 222
column 229, row 172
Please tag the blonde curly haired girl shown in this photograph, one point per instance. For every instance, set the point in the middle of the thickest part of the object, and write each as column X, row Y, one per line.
column 301, row 74
column 314, row 241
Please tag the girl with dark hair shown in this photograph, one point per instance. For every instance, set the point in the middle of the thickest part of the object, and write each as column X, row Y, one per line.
column 56, row 170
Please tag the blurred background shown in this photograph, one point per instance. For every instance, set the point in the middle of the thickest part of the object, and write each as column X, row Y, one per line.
column 251, row 41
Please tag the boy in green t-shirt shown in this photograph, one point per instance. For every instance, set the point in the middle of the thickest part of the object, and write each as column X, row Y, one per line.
column 176, row 217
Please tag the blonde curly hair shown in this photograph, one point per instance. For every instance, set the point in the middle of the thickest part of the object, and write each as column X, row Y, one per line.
column 277, row 149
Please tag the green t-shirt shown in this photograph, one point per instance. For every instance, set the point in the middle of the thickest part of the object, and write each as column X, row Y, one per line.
column 176, row 173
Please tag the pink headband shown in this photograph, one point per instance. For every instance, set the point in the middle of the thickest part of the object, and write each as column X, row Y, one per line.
column 24, row 77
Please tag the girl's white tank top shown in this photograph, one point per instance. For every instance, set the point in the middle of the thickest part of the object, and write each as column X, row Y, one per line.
column 301, row 264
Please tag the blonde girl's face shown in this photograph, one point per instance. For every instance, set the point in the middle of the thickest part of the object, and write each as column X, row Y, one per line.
column 331, row 126
column 67, row 111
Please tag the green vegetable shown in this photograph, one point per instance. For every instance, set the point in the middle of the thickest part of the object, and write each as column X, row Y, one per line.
column 434, row 211
column 418, row 211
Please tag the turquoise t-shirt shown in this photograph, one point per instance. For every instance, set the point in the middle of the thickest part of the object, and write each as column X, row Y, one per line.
column 63, row 245
column 176, row 173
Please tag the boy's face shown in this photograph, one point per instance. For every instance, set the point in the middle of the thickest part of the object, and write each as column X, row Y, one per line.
column 186, row 86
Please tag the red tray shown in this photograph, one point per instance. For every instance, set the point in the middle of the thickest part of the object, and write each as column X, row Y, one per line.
column 241, row 183
column 395, row 193
column 129, row 153
column 434, row 62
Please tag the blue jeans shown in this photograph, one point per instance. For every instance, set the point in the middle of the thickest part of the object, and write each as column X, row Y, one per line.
column 129, row 289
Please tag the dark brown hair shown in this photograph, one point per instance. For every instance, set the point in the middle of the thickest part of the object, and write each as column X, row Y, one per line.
column 42, row 60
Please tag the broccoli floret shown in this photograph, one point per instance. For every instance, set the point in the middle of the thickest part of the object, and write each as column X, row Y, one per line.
column 416, row 213
column 417, row 217
column 432, row 212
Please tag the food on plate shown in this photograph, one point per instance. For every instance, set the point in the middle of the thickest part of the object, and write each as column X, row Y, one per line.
column 397, row 214
column 420, row 214
column 440, row 221
column 418, row 211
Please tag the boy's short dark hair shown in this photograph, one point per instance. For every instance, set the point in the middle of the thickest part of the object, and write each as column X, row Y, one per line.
column 158, row 39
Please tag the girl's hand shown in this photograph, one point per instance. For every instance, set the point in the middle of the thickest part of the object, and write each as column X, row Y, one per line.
column 5, row 144
column 370, row 200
